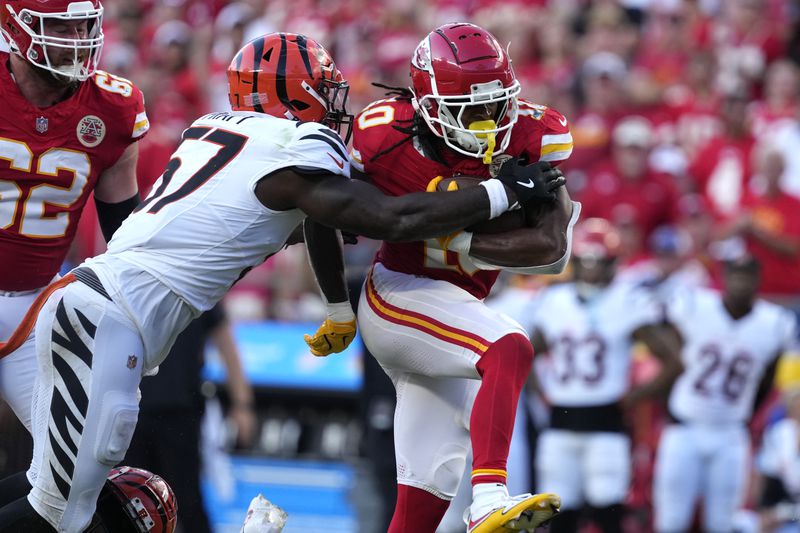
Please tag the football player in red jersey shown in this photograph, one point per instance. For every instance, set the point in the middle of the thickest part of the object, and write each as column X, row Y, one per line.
column 276, row 163
column 457, row 365
column 66, row 130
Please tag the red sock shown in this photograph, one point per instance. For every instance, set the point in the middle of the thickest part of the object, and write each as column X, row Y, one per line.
column 504, row 369
column 417, row 510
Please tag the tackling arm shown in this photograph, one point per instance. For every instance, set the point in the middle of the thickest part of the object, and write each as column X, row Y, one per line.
column 361, row 208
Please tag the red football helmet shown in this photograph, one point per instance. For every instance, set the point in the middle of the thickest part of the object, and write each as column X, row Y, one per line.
column 597, row 239
column 137, row 501
column 459, row 65
column 596, row 245
column 290, row 76
column 24, row 25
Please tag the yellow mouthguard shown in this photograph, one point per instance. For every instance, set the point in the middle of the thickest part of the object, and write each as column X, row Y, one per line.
column 481, row 127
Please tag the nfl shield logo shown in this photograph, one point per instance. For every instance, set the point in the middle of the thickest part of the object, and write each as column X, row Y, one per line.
column 132, row 359
column 41, row 124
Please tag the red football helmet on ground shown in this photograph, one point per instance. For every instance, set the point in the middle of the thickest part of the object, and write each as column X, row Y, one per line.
column 136, row 501
column 33, row 29
column 290, row 76
column 459, row 65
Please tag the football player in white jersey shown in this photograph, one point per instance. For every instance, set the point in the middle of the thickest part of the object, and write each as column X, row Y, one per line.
column 230, row 196
column 731, row 344
column 587, row 328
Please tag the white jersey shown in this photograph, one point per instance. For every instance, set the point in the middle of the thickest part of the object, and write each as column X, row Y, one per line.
column 724, row 359
column 202, row 227
column 590, row 342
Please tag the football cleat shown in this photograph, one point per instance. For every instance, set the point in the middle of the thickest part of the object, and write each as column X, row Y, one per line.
column 517, row 513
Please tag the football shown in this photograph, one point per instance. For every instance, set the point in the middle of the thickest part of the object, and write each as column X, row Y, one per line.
column 508, row 221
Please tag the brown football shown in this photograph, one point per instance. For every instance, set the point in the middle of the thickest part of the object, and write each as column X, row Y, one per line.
column 506, row 222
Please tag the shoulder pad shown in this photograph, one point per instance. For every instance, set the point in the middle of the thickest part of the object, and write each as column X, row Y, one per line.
column 374, row 127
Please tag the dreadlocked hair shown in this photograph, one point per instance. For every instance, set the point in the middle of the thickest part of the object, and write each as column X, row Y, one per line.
column 413, row 127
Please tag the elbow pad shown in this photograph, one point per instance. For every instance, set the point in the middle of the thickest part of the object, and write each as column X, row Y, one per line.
column 556, row 267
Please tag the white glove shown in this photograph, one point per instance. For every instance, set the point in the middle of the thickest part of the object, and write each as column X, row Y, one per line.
column 264, row 517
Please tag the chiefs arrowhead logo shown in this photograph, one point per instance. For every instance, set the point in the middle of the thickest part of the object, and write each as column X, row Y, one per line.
column 91, row 131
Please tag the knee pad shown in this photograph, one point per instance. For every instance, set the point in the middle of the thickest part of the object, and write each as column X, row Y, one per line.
column 444, row 474
column 118, row 417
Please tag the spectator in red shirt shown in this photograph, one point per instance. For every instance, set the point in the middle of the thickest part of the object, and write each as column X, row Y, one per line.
column 721, row 168
column 769, row 222
column 625, row 186
column 693, row 105
column 779, row 104
column 603, row 81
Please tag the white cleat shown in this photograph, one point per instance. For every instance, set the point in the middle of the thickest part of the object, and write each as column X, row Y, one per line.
column 517, row 513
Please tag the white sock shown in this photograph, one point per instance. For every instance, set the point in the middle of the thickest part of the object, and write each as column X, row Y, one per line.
column 485, row 496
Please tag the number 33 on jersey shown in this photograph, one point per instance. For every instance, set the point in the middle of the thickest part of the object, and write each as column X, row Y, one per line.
column 50, row 160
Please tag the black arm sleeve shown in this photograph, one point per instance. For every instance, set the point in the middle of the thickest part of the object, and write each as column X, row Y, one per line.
column 111, row 216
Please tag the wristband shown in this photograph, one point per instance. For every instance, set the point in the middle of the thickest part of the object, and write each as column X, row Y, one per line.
column 340, row 312
column 498, row 199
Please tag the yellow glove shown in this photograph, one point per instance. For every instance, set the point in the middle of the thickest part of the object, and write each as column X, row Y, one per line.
column 331, row 337
column 434, row 183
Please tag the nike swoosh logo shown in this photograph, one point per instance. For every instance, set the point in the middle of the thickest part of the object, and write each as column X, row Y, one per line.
column 339, row 164
column 563, row 121
column 529, row 184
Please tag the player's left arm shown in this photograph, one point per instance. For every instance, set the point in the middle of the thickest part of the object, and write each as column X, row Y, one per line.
column 324, row 247
column 664, row 342
column 545, row 243
column 544, row 246
column 116, row 193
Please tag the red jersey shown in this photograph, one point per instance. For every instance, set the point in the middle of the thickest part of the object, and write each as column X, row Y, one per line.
column 778, row 216
column 649, row 201
column 50, row 160
column 540, row 133
column 721, row 170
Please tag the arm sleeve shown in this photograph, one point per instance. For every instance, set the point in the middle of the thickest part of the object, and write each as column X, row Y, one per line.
column 111, row 216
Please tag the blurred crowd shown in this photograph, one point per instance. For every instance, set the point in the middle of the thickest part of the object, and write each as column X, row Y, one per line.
column 684, row 113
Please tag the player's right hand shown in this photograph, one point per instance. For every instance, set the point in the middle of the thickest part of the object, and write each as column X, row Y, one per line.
column 331, row 337
column 537, row 181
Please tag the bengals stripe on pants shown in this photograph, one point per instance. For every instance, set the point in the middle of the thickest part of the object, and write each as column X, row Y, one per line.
column 423, row 323
column 72, row 365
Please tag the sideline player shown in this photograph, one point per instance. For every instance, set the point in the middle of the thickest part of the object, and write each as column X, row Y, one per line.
column 422, row 313
column 588, row 328
column 731, row 344
column 234, row 190
column 66, row 130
